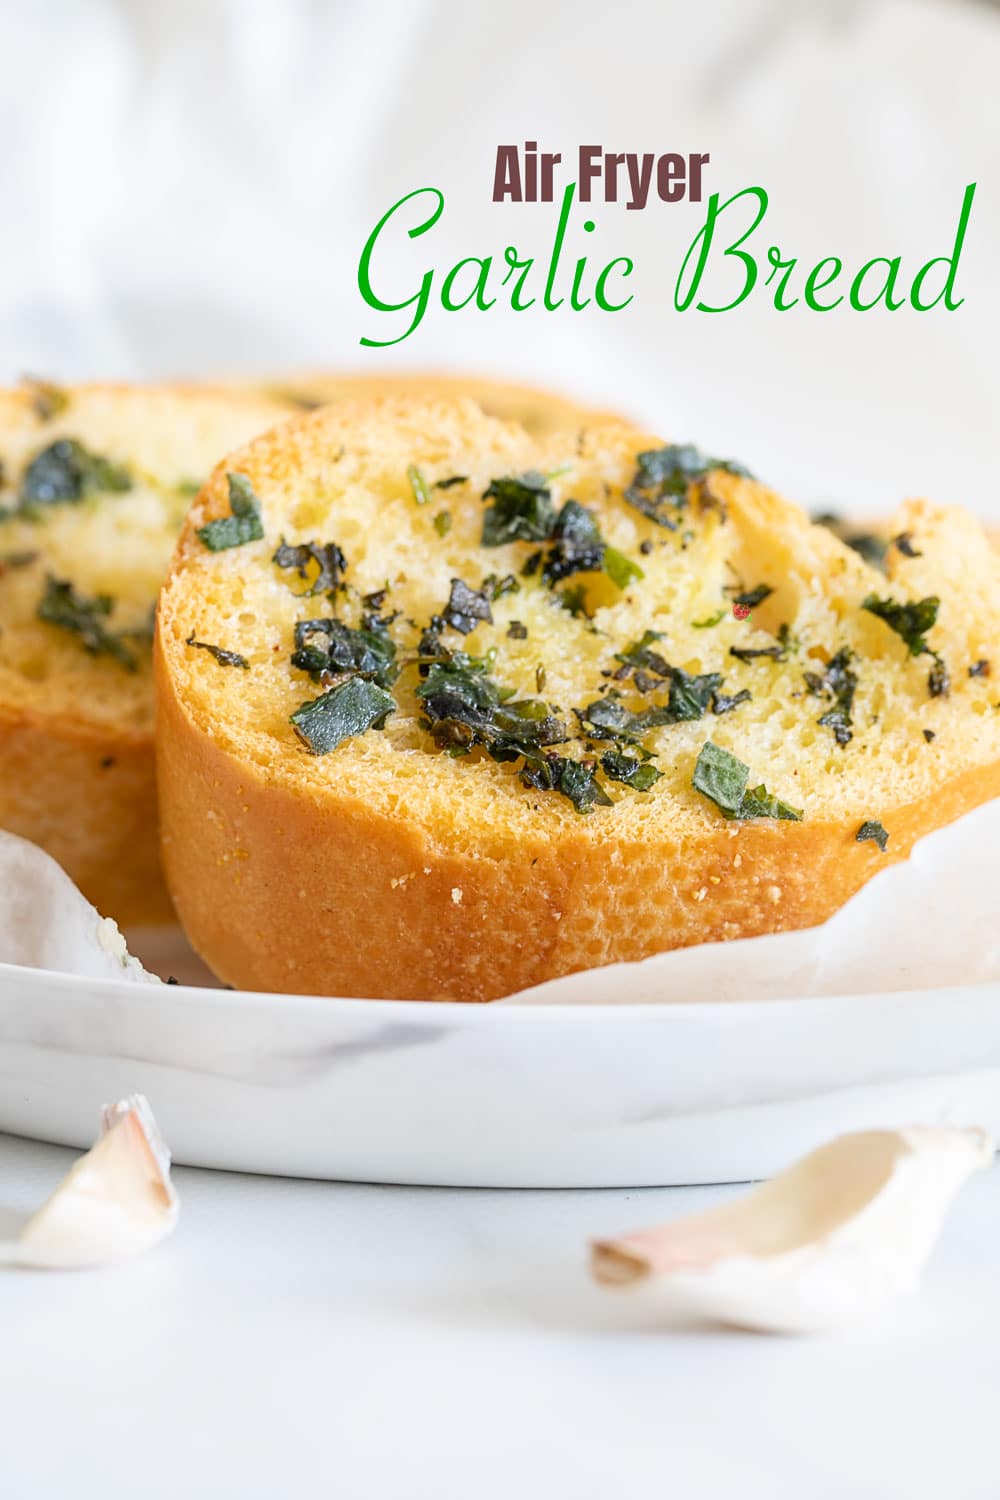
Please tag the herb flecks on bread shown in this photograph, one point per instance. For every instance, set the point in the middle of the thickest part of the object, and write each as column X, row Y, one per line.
column 94, row 484
column 629, row 699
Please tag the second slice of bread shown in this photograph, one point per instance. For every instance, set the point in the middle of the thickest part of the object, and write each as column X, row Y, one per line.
column 657, row 707
column 96, row 481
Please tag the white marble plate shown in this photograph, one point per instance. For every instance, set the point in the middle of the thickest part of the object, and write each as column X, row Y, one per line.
column 532, row 1096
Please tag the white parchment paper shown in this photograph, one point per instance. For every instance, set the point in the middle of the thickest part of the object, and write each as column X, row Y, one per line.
column 45, row 923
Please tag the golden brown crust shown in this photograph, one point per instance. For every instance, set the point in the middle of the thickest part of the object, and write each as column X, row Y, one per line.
column 89, row 799
column 539, row 410
column 267, row 884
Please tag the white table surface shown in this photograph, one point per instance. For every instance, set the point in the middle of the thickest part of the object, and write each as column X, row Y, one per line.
column 301, row 1338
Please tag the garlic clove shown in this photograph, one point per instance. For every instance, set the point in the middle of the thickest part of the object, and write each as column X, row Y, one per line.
column 846, row 1228
column 116, row 1201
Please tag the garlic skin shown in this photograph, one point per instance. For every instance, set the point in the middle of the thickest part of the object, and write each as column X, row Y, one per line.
column 845, row 1229
column 115, row 1202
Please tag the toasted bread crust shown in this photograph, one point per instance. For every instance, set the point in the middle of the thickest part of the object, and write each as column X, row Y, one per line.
column 539, row 411
column 78, row 777
column 87, row 795
column 278, row 892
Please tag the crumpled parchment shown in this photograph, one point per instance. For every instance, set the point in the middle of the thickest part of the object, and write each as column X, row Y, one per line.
column 45, row 923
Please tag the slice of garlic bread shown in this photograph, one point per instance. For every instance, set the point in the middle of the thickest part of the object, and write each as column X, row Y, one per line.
column 95, row 482
column 445, row 710
column 538, row 410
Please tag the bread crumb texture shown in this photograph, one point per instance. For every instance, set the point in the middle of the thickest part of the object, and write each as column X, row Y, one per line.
column 528, row 872
column 94, row 484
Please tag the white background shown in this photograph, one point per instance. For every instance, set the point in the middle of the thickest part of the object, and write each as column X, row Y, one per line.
column 186, row 187
column 298, row 1341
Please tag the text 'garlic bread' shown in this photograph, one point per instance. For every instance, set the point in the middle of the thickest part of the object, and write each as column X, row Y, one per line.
column 94, row 485
column 540, row 411
column 445, row 711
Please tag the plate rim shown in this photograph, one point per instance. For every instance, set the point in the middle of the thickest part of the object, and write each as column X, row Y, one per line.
column 191, row 996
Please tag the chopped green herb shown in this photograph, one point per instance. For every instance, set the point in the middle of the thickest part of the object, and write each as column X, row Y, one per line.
column 663, row 479
column 328, row 647
column 621, row 569
column 752, row 597
column 722, row 703
column 517, row 631
column 522, row 510
column 691, row 696
column 607, row 718
column 499, row 588
column 641, row 655
column 327, row 558
column 242, row 525
column 187, row 488
column 838, row 681
column 929, row 735
column 429, row 647
column 466, row 607
column 753, row 653
column 458, row 699
column 575, row 779
column 873, row 831
column 61, row 605
column 65, row 473
column 577, row 545
column 722, row 778
column 224, row 658
column 464, row 706
column 904, row 544
column 418, row 484
column 759, row 803
column 711, row 620
column 442, row 522
column 447, row 484
column 351, row 708
column 911, row 619
column 631, row 769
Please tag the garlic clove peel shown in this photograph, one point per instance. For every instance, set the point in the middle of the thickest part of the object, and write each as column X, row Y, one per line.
column 845, row 1229
column 115, row 1202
